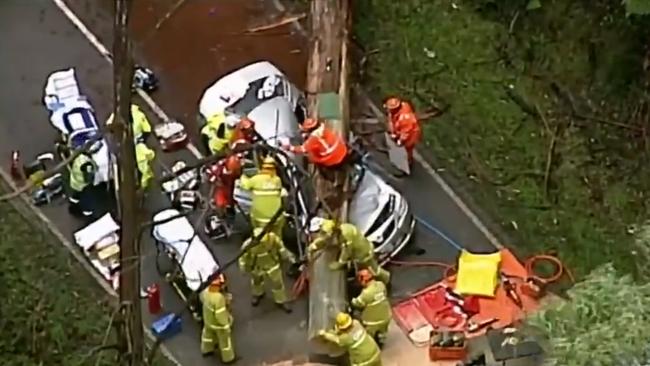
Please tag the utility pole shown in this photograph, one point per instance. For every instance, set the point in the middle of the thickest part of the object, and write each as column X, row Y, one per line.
column 328, row 99
column 130, row 332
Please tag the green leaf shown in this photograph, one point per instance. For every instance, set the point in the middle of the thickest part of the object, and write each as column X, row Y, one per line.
column 640, row 7
column 534, row 4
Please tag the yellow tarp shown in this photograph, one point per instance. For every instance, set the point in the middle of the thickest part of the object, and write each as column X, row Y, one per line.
column 478, row 274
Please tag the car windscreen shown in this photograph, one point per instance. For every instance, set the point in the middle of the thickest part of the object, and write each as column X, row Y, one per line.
column 259, row 91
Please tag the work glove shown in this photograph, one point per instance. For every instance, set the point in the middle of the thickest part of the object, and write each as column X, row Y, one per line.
column 393, row 136
column 400, row 143
column 321, row 333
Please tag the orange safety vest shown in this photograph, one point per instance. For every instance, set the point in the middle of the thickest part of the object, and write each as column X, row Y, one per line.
column 323, row 147
column 405, row 125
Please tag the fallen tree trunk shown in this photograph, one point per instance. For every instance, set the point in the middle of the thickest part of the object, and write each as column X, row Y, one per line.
column 328, row 99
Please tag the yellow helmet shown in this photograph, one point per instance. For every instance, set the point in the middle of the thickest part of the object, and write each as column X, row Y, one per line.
column 268, row 163
column 327, row 226
column 343, row 321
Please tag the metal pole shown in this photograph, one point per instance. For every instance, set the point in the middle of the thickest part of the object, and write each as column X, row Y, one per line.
column 131, row 337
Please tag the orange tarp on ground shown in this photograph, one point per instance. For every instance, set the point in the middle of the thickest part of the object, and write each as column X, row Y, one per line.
column 417, row 315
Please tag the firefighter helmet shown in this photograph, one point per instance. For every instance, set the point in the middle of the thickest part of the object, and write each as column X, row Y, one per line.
column 343, row 321
column 328, row 226
column 268, row 163
column 309, row 124
column 246, row 124
column 364, row 276
column 315, row 224
column 392, row 103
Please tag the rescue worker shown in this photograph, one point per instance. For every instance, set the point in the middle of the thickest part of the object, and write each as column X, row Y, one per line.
column 404, row 127
column 244, row 131
column 349, row 334
column 266, row 188
column 217, row 321
column 356, row 249
column 323, row 146
column 373, row 303
column 141, row 125
column 144, row 157
column 82, row 178
column 223, row 175
column 218, row 132
column 262, row 262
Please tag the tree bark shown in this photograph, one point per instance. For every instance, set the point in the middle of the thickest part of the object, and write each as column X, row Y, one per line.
column 130, row 336
column 327, row 72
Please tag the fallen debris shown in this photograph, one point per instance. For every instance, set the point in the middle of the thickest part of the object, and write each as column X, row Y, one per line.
column 279, row 23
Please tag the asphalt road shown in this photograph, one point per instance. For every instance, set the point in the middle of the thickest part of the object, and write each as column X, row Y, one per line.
column 38, row 38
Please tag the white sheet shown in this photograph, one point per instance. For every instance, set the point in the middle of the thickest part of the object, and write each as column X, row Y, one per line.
column 96, row 231
column 198, row 263
column 222, row 94
column 60, row 88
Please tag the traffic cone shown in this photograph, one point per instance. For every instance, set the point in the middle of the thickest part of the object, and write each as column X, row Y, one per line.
column 16, row 168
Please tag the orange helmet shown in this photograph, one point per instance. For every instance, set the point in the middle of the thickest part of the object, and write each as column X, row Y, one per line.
column 246, row 124
column 392, row 103
column 233, row 164
column 309, row 124
column 364, row 276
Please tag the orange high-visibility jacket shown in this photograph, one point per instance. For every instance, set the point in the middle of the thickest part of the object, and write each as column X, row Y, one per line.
column 323, row 147
column 405, row 125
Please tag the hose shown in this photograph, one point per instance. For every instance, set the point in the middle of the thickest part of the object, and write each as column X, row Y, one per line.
column 560, row 269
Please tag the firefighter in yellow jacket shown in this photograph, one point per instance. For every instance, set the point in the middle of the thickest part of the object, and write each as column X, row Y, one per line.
column 266, row 188
column 144, row 157
column 262, row 262
column 356, row 249
column 218, row 132
column 217, row 321
column 349, row 334
column 373, row 303
column 141, row 124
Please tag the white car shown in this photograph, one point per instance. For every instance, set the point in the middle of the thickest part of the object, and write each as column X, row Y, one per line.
column 73, row 116
column 264, row 94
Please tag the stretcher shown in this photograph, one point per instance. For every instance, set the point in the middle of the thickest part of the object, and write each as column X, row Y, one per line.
column 74, row 117
column 192, row 261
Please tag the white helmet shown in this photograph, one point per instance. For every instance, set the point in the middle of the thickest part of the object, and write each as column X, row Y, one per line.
column 315, row 224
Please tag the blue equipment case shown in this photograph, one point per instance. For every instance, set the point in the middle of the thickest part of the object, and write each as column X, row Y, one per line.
column 167, row 326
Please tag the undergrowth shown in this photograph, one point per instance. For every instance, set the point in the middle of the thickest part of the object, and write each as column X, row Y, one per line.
column 541, row 126
column 52, row 312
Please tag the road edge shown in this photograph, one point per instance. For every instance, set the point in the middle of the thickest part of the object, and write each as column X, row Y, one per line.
column 27, row 210
column 465, row 203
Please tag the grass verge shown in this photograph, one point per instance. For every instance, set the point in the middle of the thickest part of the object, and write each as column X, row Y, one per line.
column 547, row 120
column 53, row 312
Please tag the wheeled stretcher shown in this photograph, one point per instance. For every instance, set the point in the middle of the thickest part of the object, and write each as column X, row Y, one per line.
column 191, row 259
column 74, row 117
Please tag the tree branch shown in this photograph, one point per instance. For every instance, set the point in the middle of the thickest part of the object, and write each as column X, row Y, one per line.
column 52, row 172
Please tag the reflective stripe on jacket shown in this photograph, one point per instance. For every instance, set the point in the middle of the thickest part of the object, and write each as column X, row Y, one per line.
column 82, row 172
column 267, row 194
column 374, row 302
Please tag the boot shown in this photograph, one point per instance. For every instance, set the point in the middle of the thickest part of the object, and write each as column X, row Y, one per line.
column 256, row 300
column 285, row 307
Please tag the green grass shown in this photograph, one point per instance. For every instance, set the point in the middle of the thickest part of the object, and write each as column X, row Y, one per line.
column 52, row 311
column 430, row 52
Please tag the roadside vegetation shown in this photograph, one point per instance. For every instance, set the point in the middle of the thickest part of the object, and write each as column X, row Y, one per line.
column 548, row 112
column 547, row 129
column 52, row 311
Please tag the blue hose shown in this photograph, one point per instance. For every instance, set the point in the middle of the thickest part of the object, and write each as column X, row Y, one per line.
column 438, row 232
